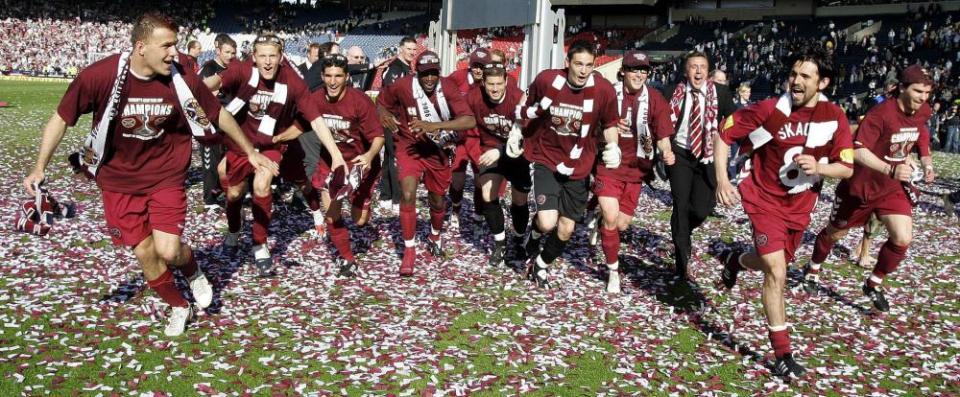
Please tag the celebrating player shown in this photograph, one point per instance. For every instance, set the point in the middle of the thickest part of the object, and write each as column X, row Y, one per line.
column 882, row 181
column 795, row 140
column 644, row 119
column 426, row 113
column 267, row 93
column 494, row 104
column 146, row 107
column 566, row 109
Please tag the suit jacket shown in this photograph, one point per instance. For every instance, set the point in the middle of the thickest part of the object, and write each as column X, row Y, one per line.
column 725, row 107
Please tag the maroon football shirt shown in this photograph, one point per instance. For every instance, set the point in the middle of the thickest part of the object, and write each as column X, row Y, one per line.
column 494, row 120
column 150, row 139
column 552, row 135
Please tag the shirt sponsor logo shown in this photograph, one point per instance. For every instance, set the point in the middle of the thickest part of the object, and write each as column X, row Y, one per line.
column 258, row 104
column 339, row 128
column 142, row 117
column 566, row 119
column 901, row 143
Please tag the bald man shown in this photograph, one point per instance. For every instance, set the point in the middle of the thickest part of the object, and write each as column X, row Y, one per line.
column 355, row 56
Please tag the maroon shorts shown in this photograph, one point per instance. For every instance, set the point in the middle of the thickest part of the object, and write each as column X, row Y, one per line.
column 435, row 173
column 773, row 232
column 849, row 212
column 238, row 168
column 468, row 152
column 363, row 194
column 133, row 217
column 626, row 193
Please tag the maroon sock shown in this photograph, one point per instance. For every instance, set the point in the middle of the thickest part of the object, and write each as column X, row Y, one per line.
column 168, row 290
column 436, row 219
column 888, row 259
column 780, row 340
column 188, row 264
column 262, row 210
column 822, row 247
column 610, row 243
column 234, row 215
column 408, row 221
column 340, row 237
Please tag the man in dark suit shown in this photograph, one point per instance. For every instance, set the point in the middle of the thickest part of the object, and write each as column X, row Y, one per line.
column 313, row 55
column 698, row 107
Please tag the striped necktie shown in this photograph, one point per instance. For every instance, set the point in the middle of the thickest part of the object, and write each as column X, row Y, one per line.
column 696, row 125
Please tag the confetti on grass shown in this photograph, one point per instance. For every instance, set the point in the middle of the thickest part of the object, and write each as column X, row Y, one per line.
column 76, row 315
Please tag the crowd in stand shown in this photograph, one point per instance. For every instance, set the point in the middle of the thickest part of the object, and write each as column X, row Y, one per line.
column 57, row 38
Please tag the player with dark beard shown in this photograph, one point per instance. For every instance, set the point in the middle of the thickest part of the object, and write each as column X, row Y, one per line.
column 794, row 142
column 882, row 181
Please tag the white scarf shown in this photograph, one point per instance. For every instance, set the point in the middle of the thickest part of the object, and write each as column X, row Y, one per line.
column 426, row 109
column 95, row 145
column 268, row 123
column 534, row 111
column 642, row 119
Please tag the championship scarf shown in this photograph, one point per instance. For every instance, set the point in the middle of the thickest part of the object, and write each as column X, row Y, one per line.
column 536, row 110
column 710, row 122
column 249, row 72
column 89, row 158
column 641, row 121
column 429, row 113
column 817, row 137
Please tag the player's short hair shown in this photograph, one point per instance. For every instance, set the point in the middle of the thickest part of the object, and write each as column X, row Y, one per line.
column 333, row 60
column 192, row 44
column 268, row 39
column 327, row 48
column 407, row 39
column 314, row 45
column 695, row 54
column 146, row 23
column 494, row 69
column 581, row 46
column 816, row 55
column 223, row 39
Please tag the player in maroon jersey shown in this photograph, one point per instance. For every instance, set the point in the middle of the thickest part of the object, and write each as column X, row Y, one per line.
column 794, row 141
column 428, row 113
column 494, row 104
column 882, row 181
column 567, row 109
column 352, row 118
column 468, row 150
column 149, row 106
column 268, row 95
column 644, row 122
